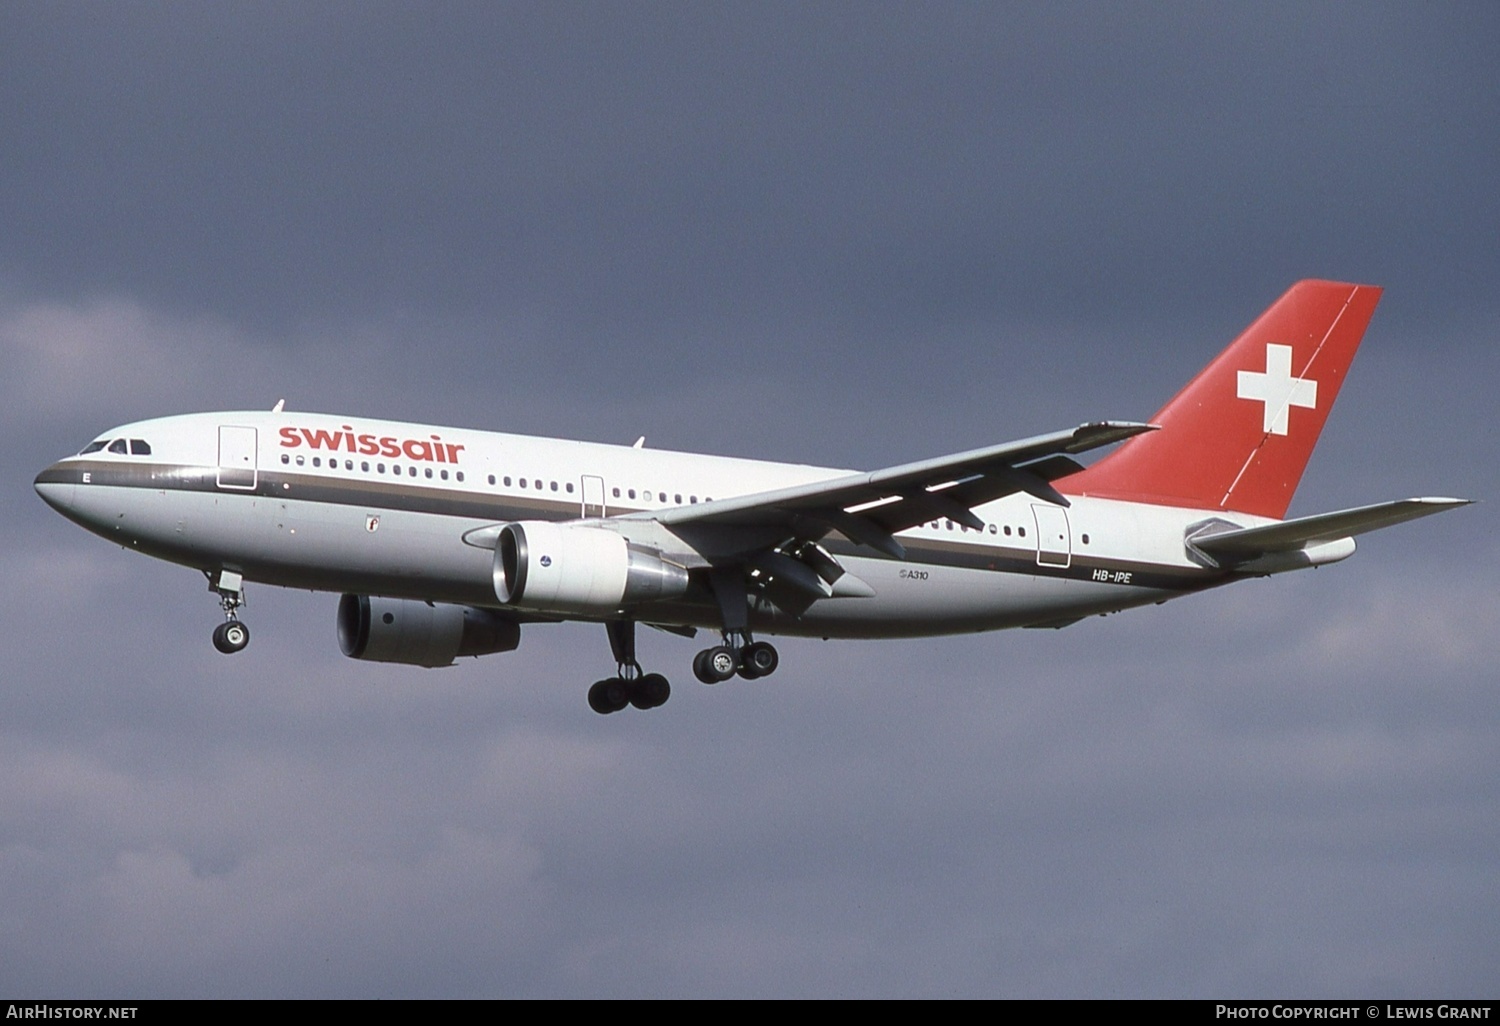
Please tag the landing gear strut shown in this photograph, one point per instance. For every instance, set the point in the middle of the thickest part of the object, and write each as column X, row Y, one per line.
column 739, row 653
column 231, row 636
column 630, row 686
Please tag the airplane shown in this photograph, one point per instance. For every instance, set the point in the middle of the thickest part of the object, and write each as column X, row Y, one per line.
column 443, row 542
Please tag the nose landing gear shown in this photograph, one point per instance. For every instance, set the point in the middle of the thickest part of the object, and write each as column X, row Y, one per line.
column 231, row 636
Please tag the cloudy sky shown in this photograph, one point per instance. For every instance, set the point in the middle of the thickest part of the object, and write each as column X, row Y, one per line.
column 852, row 234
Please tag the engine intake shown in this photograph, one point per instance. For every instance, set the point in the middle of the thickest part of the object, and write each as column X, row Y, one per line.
column 391, row 630
column 575, row 568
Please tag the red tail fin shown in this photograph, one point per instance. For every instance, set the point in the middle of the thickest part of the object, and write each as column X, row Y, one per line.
column 1240, row 434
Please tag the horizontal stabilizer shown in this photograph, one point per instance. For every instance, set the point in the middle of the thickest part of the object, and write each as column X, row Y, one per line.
column 1239, row 545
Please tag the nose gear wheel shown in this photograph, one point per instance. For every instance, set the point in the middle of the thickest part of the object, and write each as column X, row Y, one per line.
column 231, row 637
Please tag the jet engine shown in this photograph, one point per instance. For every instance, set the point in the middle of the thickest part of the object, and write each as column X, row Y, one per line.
column 575, row 568
column 391, row 630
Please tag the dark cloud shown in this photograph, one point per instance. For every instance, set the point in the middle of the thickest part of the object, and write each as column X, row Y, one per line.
column 847, row 234
column 629, row 165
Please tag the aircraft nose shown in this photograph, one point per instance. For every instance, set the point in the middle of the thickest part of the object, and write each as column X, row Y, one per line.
column 56, row 487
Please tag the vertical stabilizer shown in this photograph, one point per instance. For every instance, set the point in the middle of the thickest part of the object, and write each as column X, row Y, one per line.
column 1239, row 435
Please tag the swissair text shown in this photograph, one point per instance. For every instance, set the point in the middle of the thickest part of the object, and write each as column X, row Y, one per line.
column 434, row 450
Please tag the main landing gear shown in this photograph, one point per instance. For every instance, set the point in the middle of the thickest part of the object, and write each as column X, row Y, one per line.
column 231, row 636
column 630, row 686
column 738, row 655
column 644, row 691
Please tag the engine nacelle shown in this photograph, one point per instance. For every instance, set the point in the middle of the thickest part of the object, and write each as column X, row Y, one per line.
column 391, row 630
column 574, row 568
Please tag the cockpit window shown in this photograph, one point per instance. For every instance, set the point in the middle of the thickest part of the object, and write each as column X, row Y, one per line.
column 125, row 447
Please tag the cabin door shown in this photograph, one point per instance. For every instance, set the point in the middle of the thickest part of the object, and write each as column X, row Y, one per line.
column 1054, row 539
column 237, row 458
column 593, row 497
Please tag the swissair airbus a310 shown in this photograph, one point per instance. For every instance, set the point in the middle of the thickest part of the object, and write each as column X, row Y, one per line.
column 445, row 541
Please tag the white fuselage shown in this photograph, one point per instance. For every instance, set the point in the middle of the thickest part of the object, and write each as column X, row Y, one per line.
column 382, row 508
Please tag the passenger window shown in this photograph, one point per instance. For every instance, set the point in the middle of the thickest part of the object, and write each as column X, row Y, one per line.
column 523, row 482
column 492, row 479
column 301, row 460
column 677, row 499
column 428, row 473
column 285, row 459
column 460, row 475
column 445, row 475
column 632, row 493
column 570, row 487
column 411, row 471
column 380, row 468
column 365, row 466
column 118, row 445
column 317, row 461
column 616, row 491
column 554, row 486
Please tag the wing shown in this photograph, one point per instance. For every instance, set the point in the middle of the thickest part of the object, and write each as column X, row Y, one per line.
column 870, row 508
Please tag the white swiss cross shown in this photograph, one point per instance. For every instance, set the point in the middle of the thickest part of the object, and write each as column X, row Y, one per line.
column 1277, row 388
